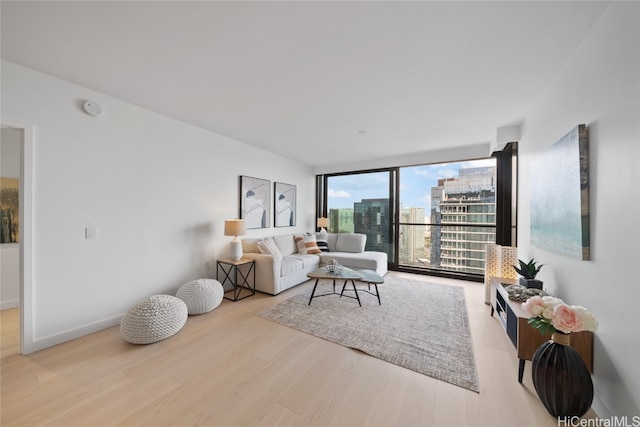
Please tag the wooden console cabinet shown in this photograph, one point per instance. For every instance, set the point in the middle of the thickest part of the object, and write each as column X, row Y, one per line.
column 525, row 338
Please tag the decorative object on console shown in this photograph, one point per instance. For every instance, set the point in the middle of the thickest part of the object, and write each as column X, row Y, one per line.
column 235, row 228
column 255, row 201
column 499, row 261
column 560, row 376
column 522, row 293
column 560, row 196
column 323, row 223
column 285, row 205
column 529, row 271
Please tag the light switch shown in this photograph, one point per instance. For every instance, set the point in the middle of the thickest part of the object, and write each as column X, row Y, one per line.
column 90, row 232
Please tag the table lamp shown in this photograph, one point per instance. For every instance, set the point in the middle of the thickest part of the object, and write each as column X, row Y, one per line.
column 235, row 228
column 322, row 223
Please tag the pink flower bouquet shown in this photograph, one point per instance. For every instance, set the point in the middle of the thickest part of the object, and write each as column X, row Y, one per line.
column 550, row 314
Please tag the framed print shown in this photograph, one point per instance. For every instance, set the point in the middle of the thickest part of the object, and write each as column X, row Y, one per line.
column 9, row 210
column 255, row 201
column 284, row 201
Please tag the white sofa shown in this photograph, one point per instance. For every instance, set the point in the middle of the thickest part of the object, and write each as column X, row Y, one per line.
column 275, row 274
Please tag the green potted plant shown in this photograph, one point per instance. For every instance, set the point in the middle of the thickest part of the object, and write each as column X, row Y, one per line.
column 529, row 271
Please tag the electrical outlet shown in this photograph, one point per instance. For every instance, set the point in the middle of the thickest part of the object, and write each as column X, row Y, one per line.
column 90, row 232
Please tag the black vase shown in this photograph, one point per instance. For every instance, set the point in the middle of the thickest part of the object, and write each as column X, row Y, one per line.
column 561, row 378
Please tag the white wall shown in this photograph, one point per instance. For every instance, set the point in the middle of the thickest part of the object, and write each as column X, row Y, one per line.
column 158, row 190
column 600, row 87
column 10, row 142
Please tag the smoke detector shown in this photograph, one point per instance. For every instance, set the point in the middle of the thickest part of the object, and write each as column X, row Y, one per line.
column 92, row 108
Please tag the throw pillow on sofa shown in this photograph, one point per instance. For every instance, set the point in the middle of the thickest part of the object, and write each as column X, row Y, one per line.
column 322, row 241
column 351, row 242
column 268, row 246
column 307, row 244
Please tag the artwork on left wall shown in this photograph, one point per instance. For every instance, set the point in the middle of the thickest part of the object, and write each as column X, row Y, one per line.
column 284, row 199
column 255, row 201
column 560, row 196
column 9, row 210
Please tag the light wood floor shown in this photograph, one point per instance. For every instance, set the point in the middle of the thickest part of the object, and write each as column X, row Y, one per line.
column 232, row 368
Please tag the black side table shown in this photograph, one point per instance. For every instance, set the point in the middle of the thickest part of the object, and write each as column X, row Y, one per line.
column 236, row 277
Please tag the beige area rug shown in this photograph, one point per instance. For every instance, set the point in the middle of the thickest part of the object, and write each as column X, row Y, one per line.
column 420, row 326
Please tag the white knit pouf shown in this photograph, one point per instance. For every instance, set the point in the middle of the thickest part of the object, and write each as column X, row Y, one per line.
column 154, row 319
column 201, row 296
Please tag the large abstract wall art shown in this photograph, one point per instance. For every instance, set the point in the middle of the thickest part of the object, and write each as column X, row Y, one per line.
column 560, row 196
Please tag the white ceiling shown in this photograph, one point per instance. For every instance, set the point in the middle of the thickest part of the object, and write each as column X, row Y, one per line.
column 305, row 79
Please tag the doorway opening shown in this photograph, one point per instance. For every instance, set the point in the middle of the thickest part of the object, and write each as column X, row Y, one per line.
column 17, row 165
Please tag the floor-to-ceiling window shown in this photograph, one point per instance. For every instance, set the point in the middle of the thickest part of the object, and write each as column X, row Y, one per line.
column 363, row 203
column 447, row 216
column 433, row 219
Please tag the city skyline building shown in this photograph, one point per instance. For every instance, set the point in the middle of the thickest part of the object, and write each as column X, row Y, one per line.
column 464, row 210
column 413, row 245
column 373, row 218
column 341, row 220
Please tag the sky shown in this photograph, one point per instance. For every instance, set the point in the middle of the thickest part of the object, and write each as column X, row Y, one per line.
column 415, row 184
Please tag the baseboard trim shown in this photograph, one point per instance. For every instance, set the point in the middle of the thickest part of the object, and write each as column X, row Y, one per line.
column 600, row 408
column 71, row 334
column 12, row 303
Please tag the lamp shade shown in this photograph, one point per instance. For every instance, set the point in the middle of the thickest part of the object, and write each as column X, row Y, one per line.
column 235, row 227
column 323, row 222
